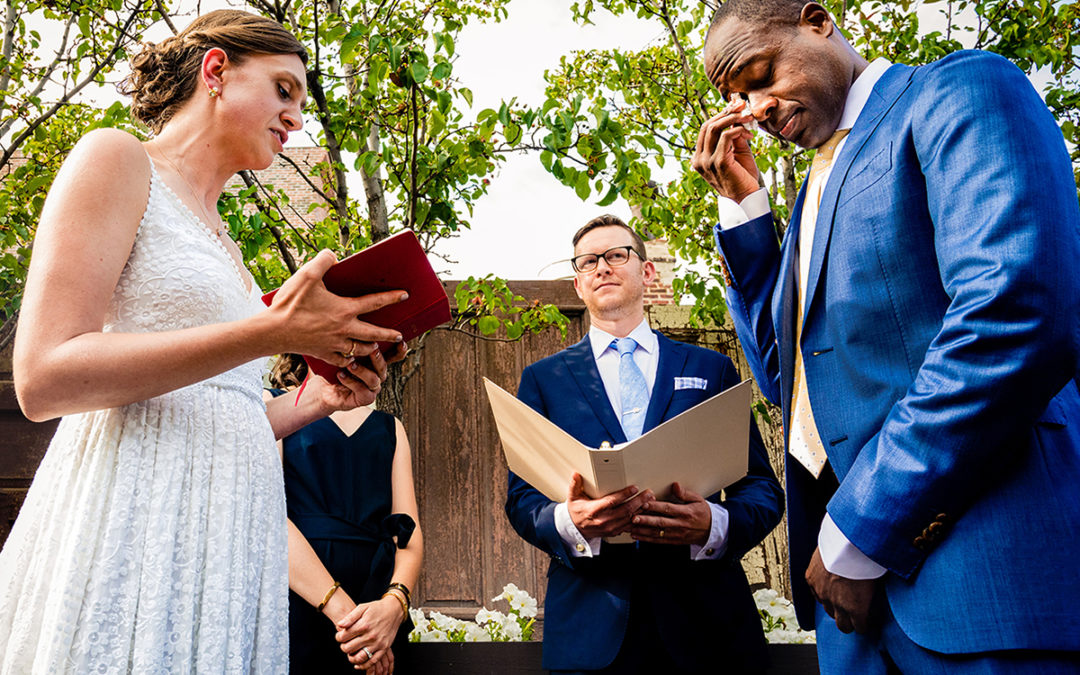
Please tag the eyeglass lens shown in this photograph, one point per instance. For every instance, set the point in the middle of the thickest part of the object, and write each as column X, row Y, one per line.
column 613, row 256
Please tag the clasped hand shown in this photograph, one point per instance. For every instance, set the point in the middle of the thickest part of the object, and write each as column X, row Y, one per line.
column 640, row 514
column 372, row 625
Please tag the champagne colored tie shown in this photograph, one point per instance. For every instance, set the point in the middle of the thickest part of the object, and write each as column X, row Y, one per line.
column 633, row 391
column 804, row 443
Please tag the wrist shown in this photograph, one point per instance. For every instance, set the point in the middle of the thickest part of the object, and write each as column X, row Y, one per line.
column 266, row 333
column 394, row 606
column 338, row 607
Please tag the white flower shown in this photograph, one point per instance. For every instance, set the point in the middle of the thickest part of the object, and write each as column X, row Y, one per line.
column 485, row 615
column 526, row 606
column 434, row 636
column 778, row 618
column 520, row 601
column 417, row 616
column 474, row 633
column 512, row 629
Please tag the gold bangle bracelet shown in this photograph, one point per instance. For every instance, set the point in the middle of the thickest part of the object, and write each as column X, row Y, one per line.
column 329, row 594
column 404, row 589
column 401, row 600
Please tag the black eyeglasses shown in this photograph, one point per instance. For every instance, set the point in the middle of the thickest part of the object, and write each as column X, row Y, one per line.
column 587, row 262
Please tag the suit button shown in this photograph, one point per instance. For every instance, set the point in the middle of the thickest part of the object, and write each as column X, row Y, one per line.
column 935, row 527
column 942, row 518
column 920, row 542
column 580, row 548
column 710, row 552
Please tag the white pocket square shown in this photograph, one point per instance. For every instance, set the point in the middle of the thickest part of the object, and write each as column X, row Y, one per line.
column 691, row 383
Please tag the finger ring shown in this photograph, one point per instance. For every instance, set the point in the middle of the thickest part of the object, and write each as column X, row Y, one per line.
column 661, row 534
column 368, row 652
column 352, row 346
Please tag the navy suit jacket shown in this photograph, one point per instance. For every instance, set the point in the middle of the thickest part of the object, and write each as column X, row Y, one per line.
column 941, row 342
column 704, row 609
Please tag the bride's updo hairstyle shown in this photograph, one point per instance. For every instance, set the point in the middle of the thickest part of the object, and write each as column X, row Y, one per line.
column 164, row 75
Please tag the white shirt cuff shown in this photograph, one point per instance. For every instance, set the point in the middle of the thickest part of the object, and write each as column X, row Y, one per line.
column 716, row 545
column 731, row 214
column 841, row 557
column 580, row 547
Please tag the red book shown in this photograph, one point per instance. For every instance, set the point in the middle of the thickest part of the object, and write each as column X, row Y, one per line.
column 395, row 263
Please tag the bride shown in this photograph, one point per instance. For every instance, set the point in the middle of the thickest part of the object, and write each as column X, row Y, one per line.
column 153, row 538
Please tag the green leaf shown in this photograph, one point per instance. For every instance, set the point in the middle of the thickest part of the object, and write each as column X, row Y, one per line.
column 488, row 325
column 441, row 71
column 419, row 72
column 610, row 197
column 582, row 186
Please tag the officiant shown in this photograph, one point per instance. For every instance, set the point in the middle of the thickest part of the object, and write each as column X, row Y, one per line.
column 675, row 600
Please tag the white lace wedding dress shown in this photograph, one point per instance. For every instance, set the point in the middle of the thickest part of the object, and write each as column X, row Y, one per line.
column 153, row 537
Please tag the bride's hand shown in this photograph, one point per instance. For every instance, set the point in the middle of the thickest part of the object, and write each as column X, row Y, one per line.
column 358, row 385
column 308, row 319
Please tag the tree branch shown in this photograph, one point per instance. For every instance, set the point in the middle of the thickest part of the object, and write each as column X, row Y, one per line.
column 30, row 128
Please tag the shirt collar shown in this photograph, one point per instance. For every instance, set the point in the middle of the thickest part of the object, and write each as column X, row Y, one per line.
column 860, row 90
column 600, row 340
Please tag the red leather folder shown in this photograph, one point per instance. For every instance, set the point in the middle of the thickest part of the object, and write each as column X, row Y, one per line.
column 395, row 263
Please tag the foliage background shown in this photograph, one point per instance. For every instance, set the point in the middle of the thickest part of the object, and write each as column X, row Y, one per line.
column 616, row 124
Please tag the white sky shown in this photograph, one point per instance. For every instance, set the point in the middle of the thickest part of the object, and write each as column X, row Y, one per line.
column 526, row 220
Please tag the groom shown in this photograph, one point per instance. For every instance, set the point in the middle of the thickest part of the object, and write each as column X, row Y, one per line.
column 677, row 601
column 920, row 326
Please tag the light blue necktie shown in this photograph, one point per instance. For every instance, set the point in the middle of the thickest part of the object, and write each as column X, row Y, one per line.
column 633, row 392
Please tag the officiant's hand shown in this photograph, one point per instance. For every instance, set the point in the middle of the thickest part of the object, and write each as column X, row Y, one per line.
column 688, row 522
column 605, row 517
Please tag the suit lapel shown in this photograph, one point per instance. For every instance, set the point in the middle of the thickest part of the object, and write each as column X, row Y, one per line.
column 672, row 358
column 580, row 361
column 884, row 95
column 784, row 304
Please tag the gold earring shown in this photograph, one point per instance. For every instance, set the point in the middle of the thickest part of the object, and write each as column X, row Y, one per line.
column 214, row 91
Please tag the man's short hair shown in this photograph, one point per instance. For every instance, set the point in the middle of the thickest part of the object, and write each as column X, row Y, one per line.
column 774, row 12
column 608, row 220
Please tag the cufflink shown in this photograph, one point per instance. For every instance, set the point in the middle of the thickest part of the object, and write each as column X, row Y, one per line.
column 710, row 551
column 580, row 548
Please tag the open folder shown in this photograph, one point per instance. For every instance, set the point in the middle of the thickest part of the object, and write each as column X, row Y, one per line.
column 704, row 449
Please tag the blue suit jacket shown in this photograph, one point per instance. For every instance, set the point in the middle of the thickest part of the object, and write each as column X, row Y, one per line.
column 705, row 608
column 942, row 330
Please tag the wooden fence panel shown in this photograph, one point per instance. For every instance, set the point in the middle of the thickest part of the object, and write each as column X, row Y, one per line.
column 471, row 551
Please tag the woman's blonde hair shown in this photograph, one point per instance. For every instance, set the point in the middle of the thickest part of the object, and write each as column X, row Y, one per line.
column 288, row 371
column 164, row 75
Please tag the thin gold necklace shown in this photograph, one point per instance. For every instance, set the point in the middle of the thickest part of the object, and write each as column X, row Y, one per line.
column 220, row 231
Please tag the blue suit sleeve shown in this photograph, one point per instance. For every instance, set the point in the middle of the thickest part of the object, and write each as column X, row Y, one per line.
column 531, row 514
column 1006, row 234
column 755, row 503
column 752, row 255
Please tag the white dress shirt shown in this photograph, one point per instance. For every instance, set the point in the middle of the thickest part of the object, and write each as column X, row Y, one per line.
column 838, row 554
column 647, row 358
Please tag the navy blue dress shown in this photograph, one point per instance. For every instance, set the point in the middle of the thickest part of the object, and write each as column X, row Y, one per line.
column 338, row 494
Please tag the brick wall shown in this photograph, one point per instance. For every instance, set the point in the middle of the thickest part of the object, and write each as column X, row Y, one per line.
column 281, row 174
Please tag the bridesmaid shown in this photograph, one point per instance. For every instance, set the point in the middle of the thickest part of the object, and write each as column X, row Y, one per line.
column 353, row 536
